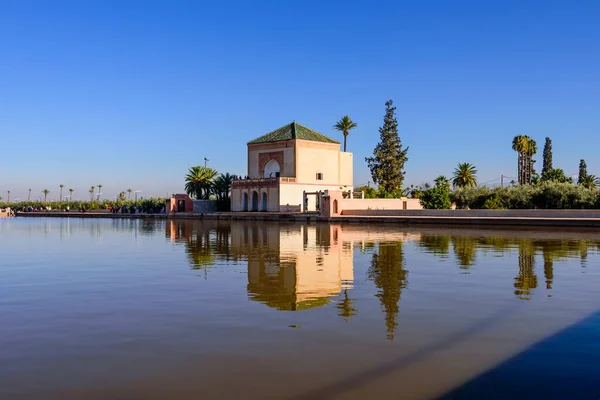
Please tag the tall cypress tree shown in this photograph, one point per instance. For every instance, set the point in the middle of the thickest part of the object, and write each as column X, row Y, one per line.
column 582, row 171
column 387, row 163
column 547, row 166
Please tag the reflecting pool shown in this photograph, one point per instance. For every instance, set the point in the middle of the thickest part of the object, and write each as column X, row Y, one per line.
column 190, row 309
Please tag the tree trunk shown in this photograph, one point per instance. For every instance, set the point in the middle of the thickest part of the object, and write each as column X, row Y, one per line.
column 520, row 168
column 345, row 136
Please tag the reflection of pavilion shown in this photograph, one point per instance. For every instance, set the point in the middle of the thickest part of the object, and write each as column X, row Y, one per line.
column 303, row 266
column 290, row 266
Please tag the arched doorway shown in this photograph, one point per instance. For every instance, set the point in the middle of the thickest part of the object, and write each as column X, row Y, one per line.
column 335, row 207
column 263, row 202
column 254, row 201
column 271, row 169
column 245, row 201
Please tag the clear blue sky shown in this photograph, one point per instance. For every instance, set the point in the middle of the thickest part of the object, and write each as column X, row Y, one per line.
column 132, row 93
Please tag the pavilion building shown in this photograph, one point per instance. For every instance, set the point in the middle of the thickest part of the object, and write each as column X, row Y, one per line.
column 289, row 169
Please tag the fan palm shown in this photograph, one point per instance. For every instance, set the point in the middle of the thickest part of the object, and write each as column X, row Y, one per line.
column 465, row 175
column 61, row 189
column 199, row 181
column 530, row 151
column 129, row 193
column 71, row 194
column 91, row 193
column 526, row 148
column 519, row 144
column 345, row 125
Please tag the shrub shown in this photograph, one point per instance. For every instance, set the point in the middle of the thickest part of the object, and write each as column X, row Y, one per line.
column 438, row 197
column 546, row 195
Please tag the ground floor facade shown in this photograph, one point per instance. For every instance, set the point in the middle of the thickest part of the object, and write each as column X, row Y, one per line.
column 277, row 195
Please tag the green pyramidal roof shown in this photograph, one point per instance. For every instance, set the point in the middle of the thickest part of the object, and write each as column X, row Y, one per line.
column 293, row 131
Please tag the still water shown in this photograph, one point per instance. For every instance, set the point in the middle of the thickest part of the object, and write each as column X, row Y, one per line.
column 133, row 309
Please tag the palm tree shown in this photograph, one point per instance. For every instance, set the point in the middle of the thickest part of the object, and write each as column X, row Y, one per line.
column 46, row 193
column 99, row 191
column 441, row 181
column 519, row 145
column 71, row 194
column 526, row 148
column 29, row 197
column 61, row 189
column 8, row 191
column 590, row 182
column 129, row 193
column 345, row 125
column 92, row 193
column 465, row 175
column 222, row 186
column 199, row 182
column 529, row 153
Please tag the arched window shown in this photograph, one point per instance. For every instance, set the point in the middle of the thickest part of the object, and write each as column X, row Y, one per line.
column 271, row 169
column 263, row 202
column 245, row 202
column 335, row 207
column 254, row 201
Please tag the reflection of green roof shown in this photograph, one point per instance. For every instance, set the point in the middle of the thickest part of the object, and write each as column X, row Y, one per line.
column 293, row 131
column 283, row 302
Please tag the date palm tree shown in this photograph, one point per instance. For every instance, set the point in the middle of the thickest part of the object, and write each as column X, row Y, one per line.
column 46, row 193
column 441, row 181
column 345, row 125
column 71, row 194
column 129, row 193
column 61, row 189
column 222, row 186
column 465, row 175
column 590, row 182
column 199, row 182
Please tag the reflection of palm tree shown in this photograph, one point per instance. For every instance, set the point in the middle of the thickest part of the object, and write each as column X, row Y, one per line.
column 548, row 267
column 388, row 273
column 199, row 250
column 526, row 280
column 345, row 307
column 583, row 252
column 465, row 248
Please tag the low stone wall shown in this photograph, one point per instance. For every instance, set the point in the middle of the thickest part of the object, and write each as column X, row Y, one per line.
column 476, row 213
column 290, row 209
column 204, row 206
column 379, row 204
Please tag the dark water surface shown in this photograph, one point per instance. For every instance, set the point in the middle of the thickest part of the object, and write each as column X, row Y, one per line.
column 129, row 309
